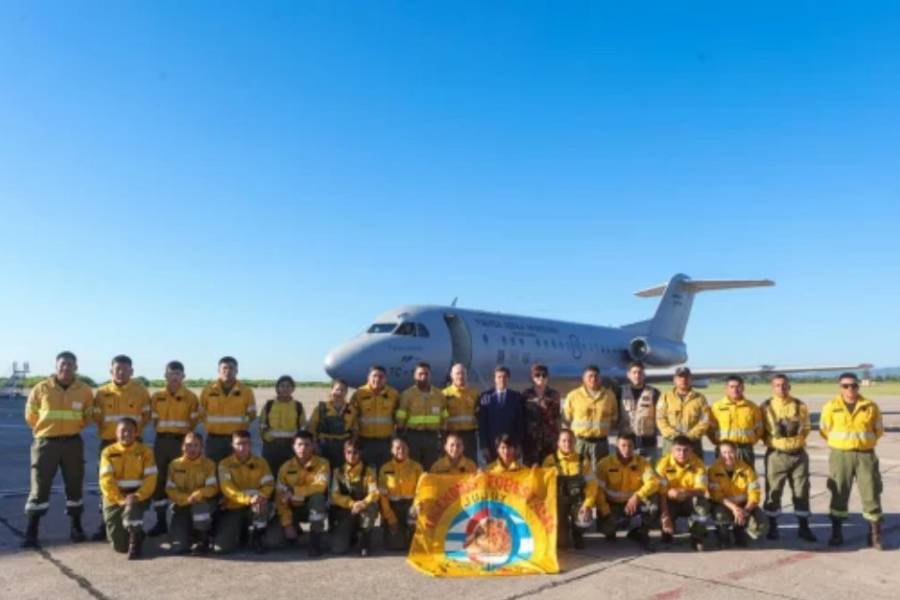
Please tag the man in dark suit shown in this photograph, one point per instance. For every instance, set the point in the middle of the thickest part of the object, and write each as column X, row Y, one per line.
column 500, row 411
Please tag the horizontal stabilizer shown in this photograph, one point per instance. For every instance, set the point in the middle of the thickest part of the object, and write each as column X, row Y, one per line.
column 705, row 285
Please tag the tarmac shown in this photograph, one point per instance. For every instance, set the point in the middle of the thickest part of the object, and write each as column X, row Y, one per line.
column 787, row 568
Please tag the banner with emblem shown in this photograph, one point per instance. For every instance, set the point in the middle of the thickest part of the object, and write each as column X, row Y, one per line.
column 486, row 524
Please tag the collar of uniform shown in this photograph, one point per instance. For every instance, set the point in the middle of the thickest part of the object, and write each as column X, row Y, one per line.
column 691, row 393
column 739, row 402
column 179, row 393
column 353, row 469
column 783, row 399
column 560, row 455
column 384, row 391
column 217, row 385
column 861, row 401
column 739, row 465
column 53, row 382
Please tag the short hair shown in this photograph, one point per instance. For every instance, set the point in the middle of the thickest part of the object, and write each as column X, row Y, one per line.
column 127, row 421
column 539, row 369
column 228, row 360
column 350, row 443
column 175, row 365
column 635, row 363
column 727, row 443
column 501, row 369
column 779, row 376
column 848, row 375
column 378, row 368
column 737, row 378
column 303, row 435
column 338, row 380
column 285, row 379
column 240, row 434
column 590, row 368
column 423, row 365
column 455, row 434
column 566, row 431
column 193, row 434
column 627, row 436
column 121, row 359
column 66, row 355
column 398, row 438
column 503, row 438
column 682, row 440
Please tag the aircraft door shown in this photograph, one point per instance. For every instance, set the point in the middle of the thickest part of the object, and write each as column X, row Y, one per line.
column 460, row 340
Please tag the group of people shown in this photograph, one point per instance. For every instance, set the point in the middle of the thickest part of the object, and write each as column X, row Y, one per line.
column 356, row 461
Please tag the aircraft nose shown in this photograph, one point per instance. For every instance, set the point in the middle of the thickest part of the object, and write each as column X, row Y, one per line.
column 346, row 363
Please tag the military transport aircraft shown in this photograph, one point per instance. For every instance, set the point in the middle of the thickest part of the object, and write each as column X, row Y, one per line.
column 445, row 335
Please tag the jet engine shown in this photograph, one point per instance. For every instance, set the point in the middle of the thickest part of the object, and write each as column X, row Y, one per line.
column 657, row 352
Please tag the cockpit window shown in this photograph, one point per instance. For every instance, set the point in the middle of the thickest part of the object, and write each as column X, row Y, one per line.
column 422, row 330
column 382, row 328
column 406, row 329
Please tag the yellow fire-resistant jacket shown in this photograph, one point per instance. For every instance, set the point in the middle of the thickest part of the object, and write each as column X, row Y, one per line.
column 52, row 411
column 422, row 411
column 188, row 476
column 302, row 481
column 617, row 481
column 689, row 476
column 588, row 416
column 740, row 487
column 113, row 402
column 375, row 411
column 125, row 470
column 786, row 422
column 499, row 467
column 350, row 476
column 443, row 466
column 174, row 413
column 240, row 481
column 223, row 415
column 739, row 422
column 281, row 420
column 688, row 416
column 461, row 406
column 857, row 430
column 572, row 465
column 397, row 481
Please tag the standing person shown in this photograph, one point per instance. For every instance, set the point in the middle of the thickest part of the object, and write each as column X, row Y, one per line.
column 301, row 494
column 576, row 491
column 421, row 416
column 637, row 411
column 279, row 422
column 683, row 411
column 397, row 482
column 57, row 410
column 683, row 491
column 121, row 397
column 462, row 406
column 332, row 423
column 501, row 411
column 737, row 420
column 735, row 495
column 227, row 405
column 127, row 480
column 375, row 404
column 354, row 496
column 191, row 486
column 852, row 426
column 454, row 461
column 542, row 416
column 174, row 411
column 590, row 411
column 787, row 424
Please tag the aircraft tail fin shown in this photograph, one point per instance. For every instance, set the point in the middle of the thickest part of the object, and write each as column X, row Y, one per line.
column 671, row 318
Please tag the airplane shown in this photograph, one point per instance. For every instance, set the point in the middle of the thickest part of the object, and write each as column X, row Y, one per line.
column 445, row 335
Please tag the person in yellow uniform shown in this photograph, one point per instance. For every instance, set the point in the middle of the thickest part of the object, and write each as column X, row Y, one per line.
column 191, row 486
column 736, row 496
column 682, row 411
column 590, row 411
column 787, row 425
column 852, row 425
column 375, row 404
column 127, row 479
column 628, row 492
column 454, row 461
column 246, row 484
column 354, row 498
column 332, row 423
column 174, row 411
column 279, row 423
column 57, row 410
column 300, row 495
column 683, row 491
column 121, row 397
column 421, row 416
column 397, row 481
column 576, row 491
column 226, row 405
column 462, row 403
column 507, row 456
column 737, row 420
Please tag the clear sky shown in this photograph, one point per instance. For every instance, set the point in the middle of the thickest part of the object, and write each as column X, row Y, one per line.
column 193, row 179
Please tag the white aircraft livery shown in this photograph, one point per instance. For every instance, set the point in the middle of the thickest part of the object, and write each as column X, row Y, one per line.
column 445, row 335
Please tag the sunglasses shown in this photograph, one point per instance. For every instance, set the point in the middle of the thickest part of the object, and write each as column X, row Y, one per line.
column 539, row 376
column 850, row 386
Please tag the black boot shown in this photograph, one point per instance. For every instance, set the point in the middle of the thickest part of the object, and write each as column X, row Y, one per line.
column 315, row 544
column 773, row 529
column 100, row 534
column 161, row 527
column 135, row 543
column 741, row 540
column 723, row 534
column 256, row 540
column 364, row 543
column 804, row 532
column 202, row 545
column 76, row 533
column 837, row 536
column 875, row 536
column 641, row 537
column 31, row 533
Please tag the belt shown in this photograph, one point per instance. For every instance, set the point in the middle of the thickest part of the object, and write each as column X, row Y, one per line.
column 62, row 438
column 375, row 439
column 219, row 435
column 790, row 452
column 169, row 434
column 594, row 440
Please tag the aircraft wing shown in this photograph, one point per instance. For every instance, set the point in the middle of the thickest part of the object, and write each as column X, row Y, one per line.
column 656, row 375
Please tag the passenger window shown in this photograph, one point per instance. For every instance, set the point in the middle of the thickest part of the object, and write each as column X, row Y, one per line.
column 422, row 330
column 406, row 329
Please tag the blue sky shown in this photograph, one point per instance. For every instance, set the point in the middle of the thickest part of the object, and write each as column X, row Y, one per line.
column 261, row 179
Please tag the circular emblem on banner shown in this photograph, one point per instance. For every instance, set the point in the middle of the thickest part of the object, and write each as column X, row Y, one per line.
column 489, row 533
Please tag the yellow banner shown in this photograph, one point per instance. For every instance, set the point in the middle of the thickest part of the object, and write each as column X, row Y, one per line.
column 486, row 524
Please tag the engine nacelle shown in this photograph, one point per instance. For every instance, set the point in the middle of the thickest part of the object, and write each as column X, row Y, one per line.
column 657, row 352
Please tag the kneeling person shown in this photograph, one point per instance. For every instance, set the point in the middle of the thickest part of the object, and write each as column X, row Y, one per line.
column 454, row 461
column 576, row 491
column 190, row 487
column 246, row 484
column 397, row 481
column 302, row 484
column 354, row 495
column 683, row 491
column 127, row 480
column 735, row 493
column 507, row 456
